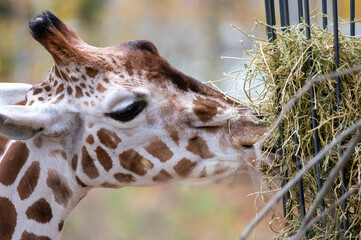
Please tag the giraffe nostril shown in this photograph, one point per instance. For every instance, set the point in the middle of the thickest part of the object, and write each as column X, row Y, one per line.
column 247, row 146
column 272, row 150
column 259, row 115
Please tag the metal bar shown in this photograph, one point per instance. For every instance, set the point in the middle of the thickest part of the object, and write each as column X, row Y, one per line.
column 284, row 13
column 287, row 13
column 284, row 17
column 301, row 194
column 300, row 11
column 307, row 19
column 273, row 17
column 338, row 100
column 324, row 12
column 297, row 157
column 352, row 17
column 270, row 19
column 316, row 139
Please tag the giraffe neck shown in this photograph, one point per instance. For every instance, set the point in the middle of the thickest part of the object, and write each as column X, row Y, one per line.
column 38, row 190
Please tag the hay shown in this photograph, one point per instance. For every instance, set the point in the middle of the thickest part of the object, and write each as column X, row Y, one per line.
column 283, row 67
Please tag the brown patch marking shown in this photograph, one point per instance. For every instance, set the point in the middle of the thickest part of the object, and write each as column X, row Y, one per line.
column 80, row 182
column 220, row 169
column 58, row 99
column 198, row 146
column 74, row 162
column 40, row 211
column 78, row 92
column 101, row 88
column 3, row 144
column 132, row 161
column 160, row 150
column 58, row 152
column 57, row 72
column 59, row 89
column 64, row 76
column 91, row 72
column 89, row 167
column 108, row 138
column 124, row 178
column 69, row 90
column 104, row 158
column 90, row 139
column 60, row 225
column 60, row 187
column 173, row 134
column 109, row 185
column 31, row 236
column 13, row 160
column 8, row 216
column 206, row 109
column 203, row 173
column 29, row 181
column 128, row 67
column 163, row 176
column 74, row 79
column 21, row 103
column 184, row 167
column 36, row 91
column 38, row 141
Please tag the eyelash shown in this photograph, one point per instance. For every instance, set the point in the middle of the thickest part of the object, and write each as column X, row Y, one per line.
column 128, row 113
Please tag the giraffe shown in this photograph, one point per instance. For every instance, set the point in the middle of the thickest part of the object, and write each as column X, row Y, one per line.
column 107, row 118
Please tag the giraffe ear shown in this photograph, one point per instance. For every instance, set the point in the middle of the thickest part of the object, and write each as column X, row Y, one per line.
column 24, row 122
column 13, row 92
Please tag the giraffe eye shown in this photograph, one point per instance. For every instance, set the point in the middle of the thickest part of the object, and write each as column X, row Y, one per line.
column 129, row 112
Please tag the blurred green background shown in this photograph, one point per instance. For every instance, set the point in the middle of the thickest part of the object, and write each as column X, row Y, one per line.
column 192, row 35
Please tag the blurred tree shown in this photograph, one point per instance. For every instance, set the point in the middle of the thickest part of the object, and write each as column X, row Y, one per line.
column 21, row 57
column 6, row 10
column 90, row 11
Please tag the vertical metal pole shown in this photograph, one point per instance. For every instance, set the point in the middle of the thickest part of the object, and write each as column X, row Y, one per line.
column 300, row 11
column 338, row 100
column 270, row 19
column 301, row 194
column 284, row 13
column 316, row 139
column 307, row 19
column 285, row 21
column 324, row 12
column 352, row 17
column 287, row 12
column 297, row 157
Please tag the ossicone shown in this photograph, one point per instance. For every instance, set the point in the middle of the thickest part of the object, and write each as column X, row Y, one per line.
column 60, row 40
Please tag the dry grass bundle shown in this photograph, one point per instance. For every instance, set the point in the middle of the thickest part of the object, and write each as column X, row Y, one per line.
column 283, row 67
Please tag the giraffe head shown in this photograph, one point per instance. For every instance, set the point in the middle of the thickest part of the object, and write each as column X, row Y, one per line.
column 123, row 115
